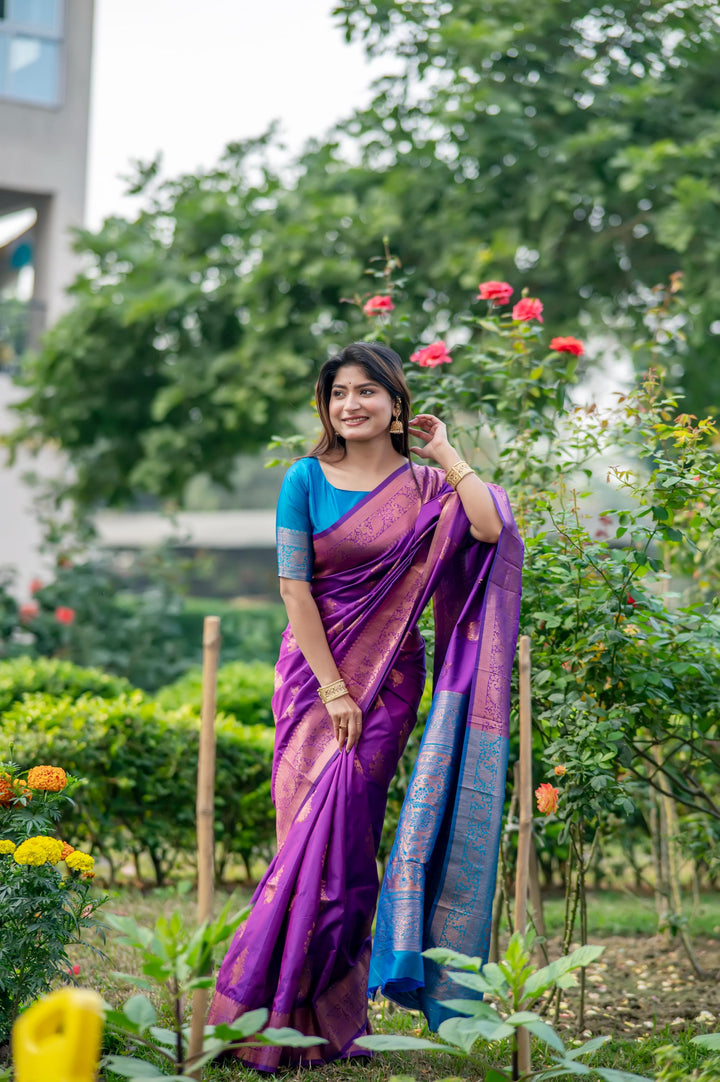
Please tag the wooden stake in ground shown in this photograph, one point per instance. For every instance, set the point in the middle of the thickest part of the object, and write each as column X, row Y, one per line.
column 205, row 813
column 525, row 819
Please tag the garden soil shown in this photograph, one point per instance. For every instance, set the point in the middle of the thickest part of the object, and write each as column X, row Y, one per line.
column 646, row 985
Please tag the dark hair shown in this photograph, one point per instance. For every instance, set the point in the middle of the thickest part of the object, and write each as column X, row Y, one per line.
column 381, row 364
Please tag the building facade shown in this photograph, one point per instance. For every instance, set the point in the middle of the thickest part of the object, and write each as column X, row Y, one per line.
column 45, row 66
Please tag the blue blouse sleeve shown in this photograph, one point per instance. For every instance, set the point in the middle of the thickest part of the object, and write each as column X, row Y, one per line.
column 293, row 529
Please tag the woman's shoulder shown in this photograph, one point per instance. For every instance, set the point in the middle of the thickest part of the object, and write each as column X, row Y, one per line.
column 301, row 469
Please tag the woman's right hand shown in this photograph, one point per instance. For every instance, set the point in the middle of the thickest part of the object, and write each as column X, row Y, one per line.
column 346, row 717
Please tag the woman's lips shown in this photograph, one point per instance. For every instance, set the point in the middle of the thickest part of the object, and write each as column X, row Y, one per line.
column 354, row 420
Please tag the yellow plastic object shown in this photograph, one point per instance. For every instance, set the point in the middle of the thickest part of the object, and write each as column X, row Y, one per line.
column 58, row 1038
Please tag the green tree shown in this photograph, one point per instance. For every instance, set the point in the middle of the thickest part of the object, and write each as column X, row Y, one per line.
column 575, row 143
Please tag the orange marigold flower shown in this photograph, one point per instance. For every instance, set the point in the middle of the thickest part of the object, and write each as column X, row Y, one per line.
column 560, row 769
column 12, row 789
column 67, row 849
column 50, row 778
column 547, row 798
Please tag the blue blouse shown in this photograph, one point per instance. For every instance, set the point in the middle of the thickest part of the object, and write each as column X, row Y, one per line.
column 307, row 504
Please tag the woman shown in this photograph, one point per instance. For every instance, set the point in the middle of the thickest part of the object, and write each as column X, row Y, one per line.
column 364, row 540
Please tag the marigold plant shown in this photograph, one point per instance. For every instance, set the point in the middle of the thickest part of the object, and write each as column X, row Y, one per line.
column 45, row 905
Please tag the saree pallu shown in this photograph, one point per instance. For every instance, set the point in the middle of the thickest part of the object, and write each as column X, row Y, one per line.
column 304, row 951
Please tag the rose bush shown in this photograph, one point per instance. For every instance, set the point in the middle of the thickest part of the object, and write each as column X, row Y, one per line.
column 617, row 502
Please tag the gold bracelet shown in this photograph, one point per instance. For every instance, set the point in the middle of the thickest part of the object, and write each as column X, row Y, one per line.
column 455, row 474
column 336, row 690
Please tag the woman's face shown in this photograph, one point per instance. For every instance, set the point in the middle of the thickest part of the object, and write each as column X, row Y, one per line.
column 360, row 409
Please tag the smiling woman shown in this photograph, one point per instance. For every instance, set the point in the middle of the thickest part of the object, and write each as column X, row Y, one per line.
column 365, row 539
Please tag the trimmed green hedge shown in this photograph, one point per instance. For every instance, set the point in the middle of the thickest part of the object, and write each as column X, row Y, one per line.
column 55, row 676
column 244, row 689
column 140, row 762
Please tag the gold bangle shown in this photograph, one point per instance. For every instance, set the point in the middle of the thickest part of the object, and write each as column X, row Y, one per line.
column 455, row 474
column 336, row 690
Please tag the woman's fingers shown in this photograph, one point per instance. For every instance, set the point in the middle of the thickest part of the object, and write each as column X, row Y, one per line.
column 346, row 718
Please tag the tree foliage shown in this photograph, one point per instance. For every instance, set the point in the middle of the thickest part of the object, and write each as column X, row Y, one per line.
column 573, row 145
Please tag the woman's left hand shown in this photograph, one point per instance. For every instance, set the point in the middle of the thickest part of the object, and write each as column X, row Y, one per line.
column 434, row 434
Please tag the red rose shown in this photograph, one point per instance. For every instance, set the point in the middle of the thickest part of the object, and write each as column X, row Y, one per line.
column 495, row 291
column 568, row 345
column 376, row 305
column 631, row 600
column 528, row 308
column 64, row 615
column 431, row 356
column 29, row 610
column 35, row 585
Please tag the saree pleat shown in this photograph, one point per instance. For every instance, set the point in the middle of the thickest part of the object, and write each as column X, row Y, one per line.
column 304, row 951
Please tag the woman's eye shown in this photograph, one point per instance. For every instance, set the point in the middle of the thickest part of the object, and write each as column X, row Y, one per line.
column 368, row 390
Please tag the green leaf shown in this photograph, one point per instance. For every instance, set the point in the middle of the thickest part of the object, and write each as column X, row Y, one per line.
column 464, row 1032
column 609, row 1075
column 586, row 1048
column 397, row 1042
column 132, row 1067
column 708, row 1040
column 545, row 1033
column 288, row 1037
column 471, row 980
column 249, row 1023
column 164, row 1036
column 140, row 1011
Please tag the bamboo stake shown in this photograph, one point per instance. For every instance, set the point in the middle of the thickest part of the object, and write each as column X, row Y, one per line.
column 205, row 815
column 525, row 818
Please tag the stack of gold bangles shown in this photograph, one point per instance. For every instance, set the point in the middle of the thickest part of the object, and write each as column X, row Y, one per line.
column 455, row 474
column 336, row 690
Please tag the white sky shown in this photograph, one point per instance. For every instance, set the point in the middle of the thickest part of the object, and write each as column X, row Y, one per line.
column 187, row 77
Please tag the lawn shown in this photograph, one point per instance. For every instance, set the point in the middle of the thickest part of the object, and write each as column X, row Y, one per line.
column 642, row 991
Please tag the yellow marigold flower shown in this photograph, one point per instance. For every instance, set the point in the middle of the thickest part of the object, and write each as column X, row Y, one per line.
column 6, row 846
column 67, row 849
column 50, row 778
column 38, row 850
column 80, row 862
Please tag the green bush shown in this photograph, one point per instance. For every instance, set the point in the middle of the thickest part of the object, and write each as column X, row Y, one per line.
column 55, row 676
column 248, row 634
column 141, row 764
column 244, row 689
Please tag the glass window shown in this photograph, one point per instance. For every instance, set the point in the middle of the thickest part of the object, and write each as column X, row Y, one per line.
column 30, row 43
column 32, row 70
column 43, row 15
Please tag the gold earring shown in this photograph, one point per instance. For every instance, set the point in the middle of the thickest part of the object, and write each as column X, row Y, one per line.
column 396, row 428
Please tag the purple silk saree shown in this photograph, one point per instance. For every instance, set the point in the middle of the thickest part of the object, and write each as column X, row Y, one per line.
column 304, row 951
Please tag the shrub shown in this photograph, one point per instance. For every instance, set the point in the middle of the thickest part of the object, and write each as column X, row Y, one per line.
column 141, row 766
column 55, row 676
column 244, row 689
column 45, row 905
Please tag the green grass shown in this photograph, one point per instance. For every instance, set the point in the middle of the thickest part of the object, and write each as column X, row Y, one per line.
column 616, row 912
column 624, row 913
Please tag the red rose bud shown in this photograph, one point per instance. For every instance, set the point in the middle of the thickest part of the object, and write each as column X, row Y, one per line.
column 501, row 292
column 64, row 615
column 29, row 610
column 431, row 356
column 568, row 345
column 35, row 585
column 528, row 308
column 631, row 600
column 377, row 305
